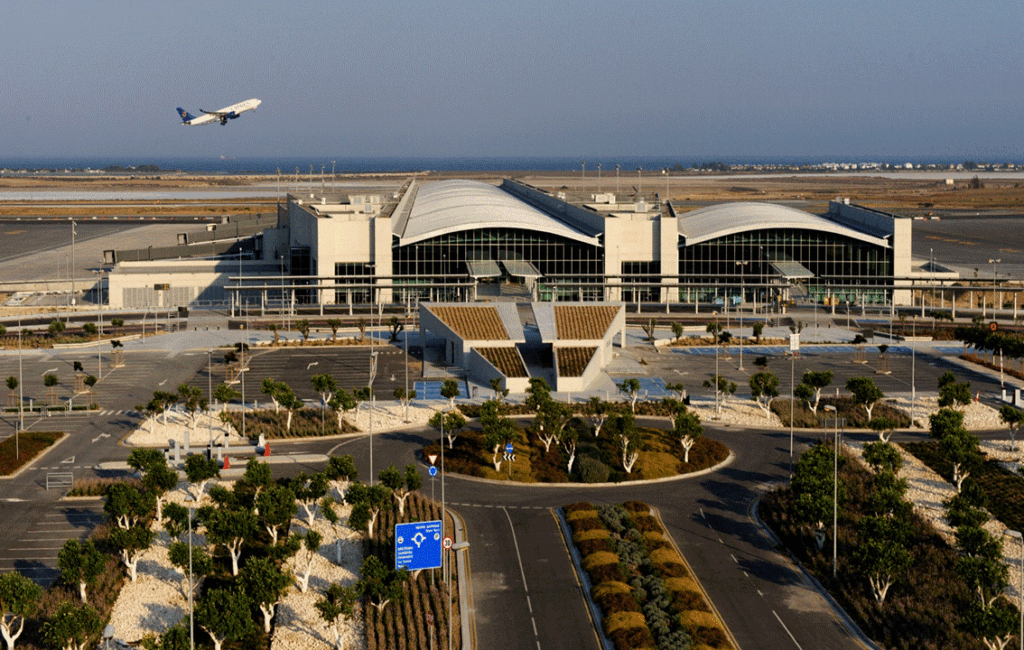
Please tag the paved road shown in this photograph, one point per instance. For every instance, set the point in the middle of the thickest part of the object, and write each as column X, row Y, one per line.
column 526, row 593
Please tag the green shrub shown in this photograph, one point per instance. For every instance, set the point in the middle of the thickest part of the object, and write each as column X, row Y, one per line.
column 631, row 638
column 671, row 570
column 686, row 601
column 599, row 558
column 589, row 523
column 607, row 572
column 646, row 523
column 613, row 602
column 580, row 514
column 709, row 636
column 591, row 470
column 591, row 546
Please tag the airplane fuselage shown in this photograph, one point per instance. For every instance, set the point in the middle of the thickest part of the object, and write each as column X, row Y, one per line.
column 222, row 116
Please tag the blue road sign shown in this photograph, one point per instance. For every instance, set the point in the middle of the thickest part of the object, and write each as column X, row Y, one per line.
column 508, row 448
column 418, row 545
column 433, row 470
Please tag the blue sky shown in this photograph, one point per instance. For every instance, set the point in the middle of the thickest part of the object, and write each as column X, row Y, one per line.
column 702, row 79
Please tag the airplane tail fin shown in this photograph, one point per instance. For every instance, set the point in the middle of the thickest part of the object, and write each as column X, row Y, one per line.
column 185, row 115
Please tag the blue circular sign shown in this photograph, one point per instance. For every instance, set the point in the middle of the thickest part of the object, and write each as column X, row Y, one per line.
column 508, row 448
column 433, row 471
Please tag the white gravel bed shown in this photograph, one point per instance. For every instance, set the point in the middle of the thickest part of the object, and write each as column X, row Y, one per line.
column 208, row 427
column 391, row 415
column 735, row 411
column 154, row 602
column 927, row 491
column 977, row 416
column 1009, row 456
column 298, row 625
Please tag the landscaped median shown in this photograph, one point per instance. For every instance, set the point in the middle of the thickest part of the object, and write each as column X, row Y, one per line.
column 643, row 591
column 18, row 451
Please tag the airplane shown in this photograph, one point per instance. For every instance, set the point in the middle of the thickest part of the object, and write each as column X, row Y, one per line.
column 223, row 115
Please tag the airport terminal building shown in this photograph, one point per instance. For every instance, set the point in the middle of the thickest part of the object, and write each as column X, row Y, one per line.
column 466, row 240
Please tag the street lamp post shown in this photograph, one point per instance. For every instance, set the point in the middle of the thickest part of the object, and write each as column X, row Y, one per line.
column 191, row 580
column 716, row 363
column 616, row 179
column 459, row 546
column 639, row 182
column 913, row 368
column 1020, row 588
column 835, row 487
column 741, row 266
column 994, row 282
column 792, row 374
column 209, row 389
column 21, row 398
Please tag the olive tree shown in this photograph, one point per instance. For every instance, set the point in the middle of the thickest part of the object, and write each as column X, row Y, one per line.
column 401, row 484
column 337, row 605
column 865, row 392
column 72, row 627
column 224, row 614
column 381, row 584
column 18, row 597
column 310, row 548
column 80, row 563
column 764, row 388
column 265, row 582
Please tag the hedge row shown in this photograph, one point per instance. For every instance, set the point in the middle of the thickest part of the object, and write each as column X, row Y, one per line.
column 646, row 596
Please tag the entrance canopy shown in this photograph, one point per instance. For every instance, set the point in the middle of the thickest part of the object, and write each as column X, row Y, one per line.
column 483, row 269
column 521, row 269
column 791, row 270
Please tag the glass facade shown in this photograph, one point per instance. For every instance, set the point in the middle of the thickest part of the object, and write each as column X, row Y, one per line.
column 443, row 258
column 641, row 273
column 832, row 259
column 352, row 273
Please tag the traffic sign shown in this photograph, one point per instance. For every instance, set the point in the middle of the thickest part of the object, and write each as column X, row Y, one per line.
column 432, row 470
column 509, row 448
column 418, row 545
column 432, row 458
column 447, row 543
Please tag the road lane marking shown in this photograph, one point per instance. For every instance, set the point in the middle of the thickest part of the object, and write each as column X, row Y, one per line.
column 522, row 573
column 734, row 558
column 787, row 630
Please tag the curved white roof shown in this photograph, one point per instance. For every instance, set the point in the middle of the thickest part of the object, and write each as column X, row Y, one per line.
column 443, row 207
column 717, row 221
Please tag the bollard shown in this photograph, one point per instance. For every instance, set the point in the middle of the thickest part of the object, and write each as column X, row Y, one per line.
column 227, row 462
column 266, row 450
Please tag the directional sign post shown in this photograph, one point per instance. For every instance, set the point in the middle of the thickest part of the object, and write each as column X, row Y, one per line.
column 418, row 545
column 510, row 457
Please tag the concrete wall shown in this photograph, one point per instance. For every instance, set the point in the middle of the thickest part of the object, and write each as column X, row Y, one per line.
column 191, row 283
